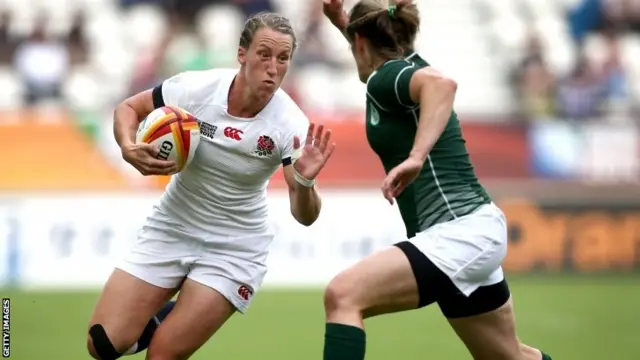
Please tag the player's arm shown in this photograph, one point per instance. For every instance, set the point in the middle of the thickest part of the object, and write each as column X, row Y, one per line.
column 335, row 12
column 435, row 93
column 128, row 115
column 306, row 152
column 304, row 201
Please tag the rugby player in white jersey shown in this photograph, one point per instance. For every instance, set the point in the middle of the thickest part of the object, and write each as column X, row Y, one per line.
column 208, row 237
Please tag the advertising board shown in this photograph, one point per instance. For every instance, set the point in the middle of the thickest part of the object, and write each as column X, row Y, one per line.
column 74, row 241
column 573, row 237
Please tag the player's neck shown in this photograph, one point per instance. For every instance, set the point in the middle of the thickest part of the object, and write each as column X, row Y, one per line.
column 242, row 102
column 377, row 62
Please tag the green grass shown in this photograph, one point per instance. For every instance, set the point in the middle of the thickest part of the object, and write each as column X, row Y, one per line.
column 571, row 317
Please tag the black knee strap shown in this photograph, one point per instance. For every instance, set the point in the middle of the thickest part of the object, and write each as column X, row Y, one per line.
column 101, row 344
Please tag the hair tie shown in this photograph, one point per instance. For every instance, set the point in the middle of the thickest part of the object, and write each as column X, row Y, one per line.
column 392, row 11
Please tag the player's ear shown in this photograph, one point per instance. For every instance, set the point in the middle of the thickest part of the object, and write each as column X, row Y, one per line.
column 242, row 52
column 359, row 44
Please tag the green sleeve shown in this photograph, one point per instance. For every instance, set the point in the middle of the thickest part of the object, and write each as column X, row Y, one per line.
column 389, row 87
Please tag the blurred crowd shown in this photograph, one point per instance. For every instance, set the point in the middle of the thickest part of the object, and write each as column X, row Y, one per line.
column 598, row 85
column 43, row 60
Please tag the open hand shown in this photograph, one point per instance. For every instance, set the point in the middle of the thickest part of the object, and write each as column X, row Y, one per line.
column 317, row 149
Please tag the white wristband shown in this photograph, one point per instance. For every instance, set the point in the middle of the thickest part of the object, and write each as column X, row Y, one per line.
column 302, row 181
column 299, row 178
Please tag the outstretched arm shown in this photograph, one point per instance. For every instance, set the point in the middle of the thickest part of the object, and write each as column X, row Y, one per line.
column 335, row 12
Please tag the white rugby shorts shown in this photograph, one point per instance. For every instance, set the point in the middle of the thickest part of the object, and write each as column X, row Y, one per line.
column 165, row 253
column 469, row 249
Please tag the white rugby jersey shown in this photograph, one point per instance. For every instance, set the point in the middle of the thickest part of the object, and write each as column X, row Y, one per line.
column 223, row 191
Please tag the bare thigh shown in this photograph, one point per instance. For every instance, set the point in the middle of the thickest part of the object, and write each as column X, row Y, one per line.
column 125, row 307
column 381, row 283
column 199, row 312
column 490, row 336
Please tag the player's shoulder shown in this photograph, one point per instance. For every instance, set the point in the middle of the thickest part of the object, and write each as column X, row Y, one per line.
column 203, row 78
column 284, row 111
column 392, row 69
column 200, row 87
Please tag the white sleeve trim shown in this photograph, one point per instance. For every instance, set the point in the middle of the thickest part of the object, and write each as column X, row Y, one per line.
column 396, row 85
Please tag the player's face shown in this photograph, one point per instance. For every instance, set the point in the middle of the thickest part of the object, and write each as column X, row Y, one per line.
column 362, row 57
column 267, row 60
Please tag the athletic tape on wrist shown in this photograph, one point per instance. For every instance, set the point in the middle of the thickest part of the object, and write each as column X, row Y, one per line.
column 302, row 181
column 299, row 178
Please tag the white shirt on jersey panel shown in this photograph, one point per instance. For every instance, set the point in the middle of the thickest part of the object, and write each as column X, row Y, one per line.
column 222, row 193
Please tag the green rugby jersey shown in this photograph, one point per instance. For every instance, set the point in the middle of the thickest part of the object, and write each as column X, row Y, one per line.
column 447, row 186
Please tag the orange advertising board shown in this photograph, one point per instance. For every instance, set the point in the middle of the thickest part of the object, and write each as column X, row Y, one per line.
column 47, row 151
column 584, row 239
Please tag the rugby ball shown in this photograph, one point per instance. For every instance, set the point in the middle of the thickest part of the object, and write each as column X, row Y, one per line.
column 175, row 131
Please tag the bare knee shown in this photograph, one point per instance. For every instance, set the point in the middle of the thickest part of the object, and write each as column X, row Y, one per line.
column 341, row 294
column 91, row 349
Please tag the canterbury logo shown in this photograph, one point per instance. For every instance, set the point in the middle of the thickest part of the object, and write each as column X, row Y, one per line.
column 244, row 292
column 232, row 133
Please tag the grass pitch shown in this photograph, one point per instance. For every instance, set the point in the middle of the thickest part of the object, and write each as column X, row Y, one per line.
column 571, row 317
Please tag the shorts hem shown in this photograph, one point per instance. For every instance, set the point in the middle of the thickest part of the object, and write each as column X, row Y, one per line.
column 145, row 276
column 484, row 299
column 214, row 282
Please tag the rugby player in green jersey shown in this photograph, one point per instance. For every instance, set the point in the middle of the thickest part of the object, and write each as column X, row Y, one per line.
column 457, row 237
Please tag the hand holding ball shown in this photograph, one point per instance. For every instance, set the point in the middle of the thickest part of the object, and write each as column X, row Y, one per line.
column 166, row 142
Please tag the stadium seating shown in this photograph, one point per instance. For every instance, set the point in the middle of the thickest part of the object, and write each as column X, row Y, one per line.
column 474, row 41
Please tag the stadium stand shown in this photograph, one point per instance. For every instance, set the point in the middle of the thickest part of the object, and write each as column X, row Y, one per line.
column 492, row 33
column 530, row 59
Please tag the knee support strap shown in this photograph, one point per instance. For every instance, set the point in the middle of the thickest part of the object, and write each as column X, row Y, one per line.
column 101, row 343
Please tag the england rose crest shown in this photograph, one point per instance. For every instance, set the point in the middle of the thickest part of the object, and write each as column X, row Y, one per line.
column 265, row 146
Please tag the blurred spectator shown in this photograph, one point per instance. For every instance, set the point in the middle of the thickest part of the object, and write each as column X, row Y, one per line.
column 621, row 15
column 129, row 3
column 585, row 17
column 250, row 7
column 614, row 75
column 76, row 40
column 581, row 95
column 147, row 71
column 535, row 82
column 7, row 42
column 186, row 11
column 41, row 62
column 604, row 16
